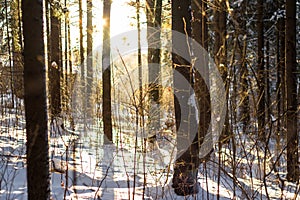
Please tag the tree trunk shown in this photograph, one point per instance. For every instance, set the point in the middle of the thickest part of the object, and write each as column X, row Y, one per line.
column 220, row 55
column 186, row 165
column 291, row 92
column 107, row 123
column 261, row 71
column 140, row 106
column 82, row 97
column 7, row 26
column 38, row 178
column 199, row 23
column 267, row 83
column 154, row 70
column 89, row 63
column 242, row 60
column 280, row 84
column 55, row 64
column 17, row 58
column 199, row 33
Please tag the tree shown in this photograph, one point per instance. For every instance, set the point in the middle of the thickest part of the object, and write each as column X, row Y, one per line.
column 260, row 70
column 199, row 23
column 291, row 92
column 89, row 62
column 107, row 122
column 17, row 48
column 81, row 49
column 82, row 64
column 55, row 66
column 154, row 9
column 220, row 57
column 9, row 48
column 220, row 53
column 35, row 101
column 186, row 165
column 139, row 60
column 240, row 52
column 280, row 83
column 200, row 34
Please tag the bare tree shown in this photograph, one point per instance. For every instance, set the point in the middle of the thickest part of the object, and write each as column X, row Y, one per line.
column 154, row 9
column 35, row 101
column 107, row 121
column 291, row 92
column 55, row 65
column 220, row 52
column 280, row 83
column 200, row 34
column 17, row 48
column 186, row 165
column 260, row 70
column 89, row 62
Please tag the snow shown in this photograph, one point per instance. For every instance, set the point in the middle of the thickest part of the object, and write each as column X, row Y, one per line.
column 108, row 177
column 118, row 170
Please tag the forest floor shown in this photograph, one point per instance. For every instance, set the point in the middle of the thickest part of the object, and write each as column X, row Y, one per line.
column 94, row 170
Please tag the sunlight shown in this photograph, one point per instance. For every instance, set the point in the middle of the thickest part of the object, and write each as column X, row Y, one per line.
column 103, row 23
column 121, row 99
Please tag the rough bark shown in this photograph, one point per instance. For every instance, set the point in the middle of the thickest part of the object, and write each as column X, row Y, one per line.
column 107, row 123
column 89, row 63
column 260, row 71
column 55, row 64
column 35, row 101
column 186, row 165
column 220, row 55
column 154, row 9
column 280, row 84
column 291, row 92
column 200, row 34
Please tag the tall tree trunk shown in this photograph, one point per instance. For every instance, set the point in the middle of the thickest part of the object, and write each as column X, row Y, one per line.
column 186, row 165
column 291, row 92
column 140, row 105
column 89, row 63
column 82, row 66
column 139, row 108
column 69, row 47
column 280, row 83
column 200, row 34
column 199, row 23
column 55, row 65
column 221, row 62
column 38, row 178
column 17, row 58
column 107, row 121
column 154, row 9
column 66, row 55
column 9, row 49
column 260, row 70
column 150, row 24
column 242, row 54
column 267, row 83
column 81, row 49
column 220, row 54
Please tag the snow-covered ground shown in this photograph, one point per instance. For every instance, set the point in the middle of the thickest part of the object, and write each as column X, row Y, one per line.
column 94, row 170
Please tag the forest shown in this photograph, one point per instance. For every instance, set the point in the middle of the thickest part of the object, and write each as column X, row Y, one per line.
column 149, row 99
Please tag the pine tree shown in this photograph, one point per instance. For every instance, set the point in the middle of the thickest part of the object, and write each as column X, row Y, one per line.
column 291, row 92
column 35, row 101
column 107, row 121
column 186, row 165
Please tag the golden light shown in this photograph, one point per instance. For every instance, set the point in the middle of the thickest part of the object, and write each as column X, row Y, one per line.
column 103, row 22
